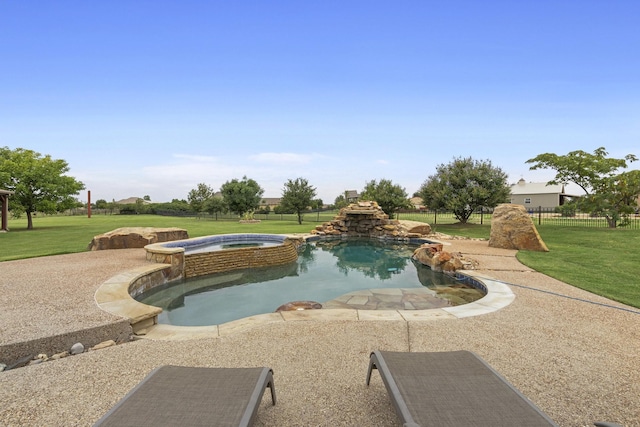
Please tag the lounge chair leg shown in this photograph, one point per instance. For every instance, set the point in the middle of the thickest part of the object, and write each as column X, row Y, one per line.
column 273, row 391
column 372, row 366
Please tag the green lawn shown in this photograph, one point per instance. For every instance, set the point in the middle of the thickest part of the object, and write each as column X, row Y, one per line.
column 52, row 235
column 600, row 260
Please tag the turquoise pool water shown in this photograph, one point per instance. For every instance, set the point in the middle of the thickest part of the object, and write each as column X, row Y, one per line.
column 324, row 271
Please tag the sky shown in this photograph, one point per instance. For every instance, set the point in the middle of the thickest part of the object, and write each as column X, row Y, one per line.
column 151, row 98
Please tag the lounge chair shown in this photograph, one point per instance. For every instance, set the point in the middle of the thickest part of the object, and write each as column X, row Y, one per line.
column 178, row 395
column 454, row 388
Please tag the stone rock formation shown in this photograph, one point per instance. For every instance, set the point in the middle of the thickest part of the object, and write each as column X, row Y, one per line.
column 299, row 305
column 432, row 255
column 135, row 237
column 367, row 219
column 512, row 228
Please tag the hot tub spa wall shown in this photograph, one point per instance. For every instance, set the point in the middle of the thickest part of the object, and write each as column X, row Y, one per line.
column 204, row 263
column 185, row 265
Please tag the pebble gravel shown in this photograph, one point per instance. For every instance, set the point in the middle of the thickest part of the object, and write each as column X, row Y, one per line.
column 574, row 354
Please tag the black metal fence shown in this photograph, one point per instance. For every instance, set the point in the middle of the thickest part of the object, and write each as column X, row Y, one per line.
column 539, row 215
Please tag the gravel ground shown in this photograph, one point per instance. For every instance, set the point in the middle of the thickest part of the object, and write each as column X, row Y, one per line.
column 577, row 359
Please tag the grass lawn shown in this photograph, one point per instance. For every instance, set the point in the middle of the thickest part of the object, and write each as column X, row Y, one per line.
column 600, row 260
column 54, row 235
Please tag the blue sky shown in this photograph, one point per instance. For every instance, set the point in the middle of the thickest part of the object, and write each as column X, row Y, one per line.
column 154, row 97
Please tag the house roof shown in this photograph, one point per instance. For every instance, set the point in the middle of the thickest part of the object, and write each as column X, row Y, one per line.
column 271, row 200
column 523, row 187
column 132, row 201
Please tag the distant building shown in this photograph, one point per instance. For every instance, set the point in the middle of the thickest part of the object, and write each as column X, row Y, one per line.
column 132, row 201
column 270, row 202
column 351, row 196
column 538, row 194
column 417, row 203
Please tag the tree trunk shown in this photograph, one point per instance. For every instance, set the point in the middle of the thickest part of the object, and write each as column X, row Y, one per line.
column 29, row 221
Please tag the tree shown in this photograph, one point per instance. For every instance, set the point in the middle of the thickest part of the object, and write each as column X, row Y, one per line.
column 317, row 204
column 39, row 183
column 390, row 197
column 215, row 205
column 199, row 196
column 340, row 202
column 609, row 193
column 297, row 196
column 242, row 197
column 465, row 185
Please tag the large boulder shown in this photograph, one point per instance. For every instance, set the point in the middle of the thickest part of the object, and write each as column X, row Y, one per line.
column 512, row 228
column 135, row 237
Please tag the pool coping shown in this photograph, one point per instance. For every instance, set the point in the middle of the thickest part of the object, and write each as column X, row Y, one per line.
column 113, row 297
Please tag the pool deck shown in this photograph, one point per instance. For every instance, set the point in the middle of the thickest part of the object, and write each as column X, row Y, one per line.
column 574, row 354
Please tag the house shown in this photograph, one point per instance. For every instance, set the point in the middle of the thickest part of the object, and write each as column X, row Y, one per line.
column 132, row 201
column 351, row 196
column 417, row 203
column 270, row 202
column 539, row 194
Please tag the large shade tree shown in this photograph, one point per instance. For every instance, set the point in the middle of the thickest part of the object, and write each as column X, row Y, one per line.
column 608, row 191
column 465, row 185
column 39, row 183
column 242, row 196
column 391, row 197
column 297, row 196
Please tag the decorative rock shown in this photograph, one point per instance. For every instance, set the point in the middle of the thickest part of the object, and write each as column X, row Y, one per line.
column 417, row 227
column 42, row 357
column 135, row 237
column 103, row 344
column 77, row 348
column 60, row 355
column 299, row 305
column 512, row 228
column 35, row 362
column 368, row 219
column 432, row 255
column 2, row 367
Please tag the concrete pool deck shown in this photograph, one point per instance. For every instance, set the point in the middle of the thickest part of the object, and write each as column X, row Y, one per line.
column 574, row 354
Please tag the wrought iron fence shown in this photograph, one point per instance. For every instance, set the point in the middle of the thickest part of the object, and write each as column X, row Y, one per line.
column 539, row 215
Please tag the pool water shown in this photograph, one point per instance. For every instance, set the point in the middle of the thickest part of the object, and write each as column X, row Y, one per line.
column 324, row 271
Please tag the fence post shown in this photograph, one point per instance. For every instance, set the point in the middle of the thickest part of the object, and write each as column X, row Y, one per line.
column 435, row 217
column 539, row 215
column 481, row 215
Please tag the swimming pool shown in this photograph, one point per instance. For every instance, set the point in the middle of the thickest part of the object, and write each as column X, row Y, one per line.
column 324, row 271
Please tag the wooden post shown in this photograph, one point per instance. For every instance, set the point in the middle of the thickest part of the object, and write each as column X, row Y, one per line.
column 89, row 204
column 4, row 201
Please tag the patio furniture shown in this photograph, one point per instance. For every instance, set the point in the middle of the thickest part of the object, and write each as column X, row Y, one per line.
column 454, row 388
column 193, row 396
